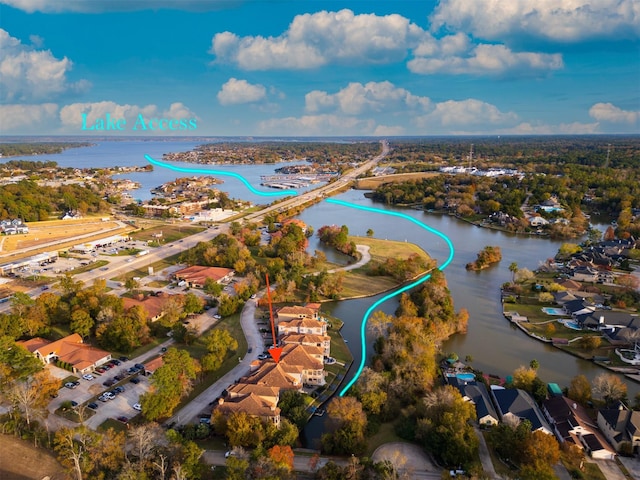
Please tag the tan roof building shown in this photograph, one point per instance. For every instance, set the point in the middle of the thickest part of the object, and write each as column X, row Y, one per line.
column 153, row 304
column 273, row 375
column 71, row 349
column 302, row 326
column 252, row 405
column 296, row 312
column 197, row 275
column 266, row 393
column 322, row 341
column 306, row 360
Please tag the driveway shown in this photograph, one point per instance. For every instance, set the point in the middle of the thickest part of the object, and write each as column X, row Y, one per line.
column 406, row 457
column 632, row 465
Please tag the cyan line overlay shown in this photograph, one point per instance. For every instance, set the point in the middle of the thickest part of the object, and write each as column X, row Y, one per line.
column 219, row 172
column 363, row 326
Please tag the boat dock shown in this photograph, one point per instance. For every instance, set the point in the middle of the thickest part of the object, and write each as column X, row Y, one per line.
column 286, row 181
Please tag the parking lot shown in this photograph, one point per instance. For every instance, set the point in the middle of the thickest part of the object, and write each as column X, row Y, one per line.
column 88, row 390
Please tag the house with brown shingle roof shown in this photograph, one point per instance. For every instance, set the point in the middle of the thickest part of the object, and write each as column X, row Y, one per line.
column 266, row 393
column 307, row 360
column 322, row 341
column 152, row 365
column 252, row 404
column 197, row 275
column 295, row 312
column 302, row 326
column 71, row 349
column 273, row 375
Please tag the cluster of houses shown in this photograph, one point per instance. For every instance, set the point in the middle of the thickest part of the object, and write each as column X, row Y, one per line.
column 13, row 227
column 302, row 334
column 560, row 416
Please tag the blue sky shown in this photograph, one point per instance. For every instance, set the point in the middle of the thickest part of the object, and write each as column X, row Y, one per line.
column 322, row 68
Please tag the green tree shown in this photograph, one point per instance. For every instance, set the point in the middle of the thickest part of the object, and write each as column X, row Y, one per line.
column 213, row 288
column 218, row 343
column 131, row 284
column 192, row 304
column 81, row 323
column 347, row 425
column 369, row 232
column 513, row 268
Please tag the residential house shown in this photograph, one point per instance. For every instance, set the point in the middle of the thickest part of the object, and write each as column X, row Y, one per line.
column 513, row 403
column 538, row 221
column 251, row 404
column 302, row 326
column 296, row 312
column 273, row 375
column 197, row 275
column 309, row 361
column 476, row 393
column 13, row 227
column 578, row 307
column 72, row 350
column 322, row 341
column 571, row 423
column 620, row 425
column 152, row 365
column 585, row 274
column 563, row 297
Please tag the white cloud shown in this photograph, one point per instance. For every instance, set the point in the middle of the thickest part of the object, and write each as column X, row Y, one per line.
column 357, row 98
column 26, row 117
column 314, row 125
column 27, row 74
column 567, row 20
column 236, row 91
column 607, row 112
column 445, row 57
column 93, row 6
column 322, row 38
column 317, row 39
column 575, row 128
column 465, row 113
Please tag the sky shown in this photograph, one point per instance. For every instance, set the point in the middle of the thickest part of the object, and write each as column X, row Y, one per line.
column 319, row 68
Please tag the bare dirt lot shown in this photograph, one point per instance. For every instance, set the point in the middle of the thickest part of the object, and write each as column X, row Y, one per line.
column 21, row 461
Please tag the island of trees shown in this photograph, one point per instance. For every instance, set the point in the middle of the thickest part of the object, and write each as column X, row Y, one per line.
column 486, row 257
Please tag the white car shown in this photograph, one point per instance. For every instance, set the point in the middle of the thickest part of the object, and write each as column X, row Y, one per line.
column 88, row 376
column 137, row 406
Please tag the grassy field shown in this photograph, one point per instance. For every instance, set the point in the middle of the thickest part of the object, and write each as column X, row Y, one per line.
column 385, row 434
column 372, row 183
column 357, row 283
column 144, row 270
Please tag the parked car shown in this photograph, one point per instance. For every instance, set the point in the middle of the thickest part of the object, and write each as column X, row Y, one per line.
column 88, row 376
column 100, row 370
column 137, row 406
column 70, row 385
column 124, row 359
column 74, row 404
column 117, row 378
column 119, row 389
column 262, row 356
column 139, row 366
column 115, row 362
column 122, row 419
column 108, row 383
column 104, row 398
column 135, row 380
column 92, row 405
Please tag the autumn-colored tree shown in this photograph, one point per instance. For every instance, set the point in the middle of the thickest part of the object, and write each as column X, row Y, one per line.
column 347, row 423
column 523, row 377
column 580, row 389
column 282, row 456
column 609, row 387
column 590, row 342
column 32, row 395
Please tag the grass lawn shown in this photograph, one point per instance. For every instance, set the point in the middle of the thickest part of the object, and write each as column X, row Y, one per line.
column 590, row 471
column 382, row 249
column 112, row 423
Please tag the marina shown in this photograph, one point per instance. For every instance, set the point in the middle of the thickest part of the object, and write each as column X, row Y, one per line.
column 287, row 181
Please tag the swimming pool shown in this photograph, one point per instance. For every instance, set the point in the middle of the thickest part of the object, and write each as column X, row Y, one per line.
column 553, row 311
column 570, row 324
column 466, row 376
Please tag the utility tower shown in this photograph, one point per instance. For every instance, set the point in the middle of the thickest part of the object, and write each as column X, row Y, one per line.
column 606, row 164
column 470, row 156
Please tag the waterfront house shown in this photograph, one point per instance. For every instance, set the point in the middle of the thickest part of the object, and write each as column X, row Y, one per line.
column 476, row 393
column 620, row 425
column 302, row 326
column 563, row 297
column 296, row 312
column 306, row 361
column 81, row 358
column 578, row 307
column 513, row 403
column 322, row 341
column 571, row 423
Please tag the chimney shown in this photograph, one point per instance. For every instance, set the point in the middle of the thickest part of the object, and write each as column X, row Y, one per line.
column 140, row 296
column 601, row 321
column 220, row 401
